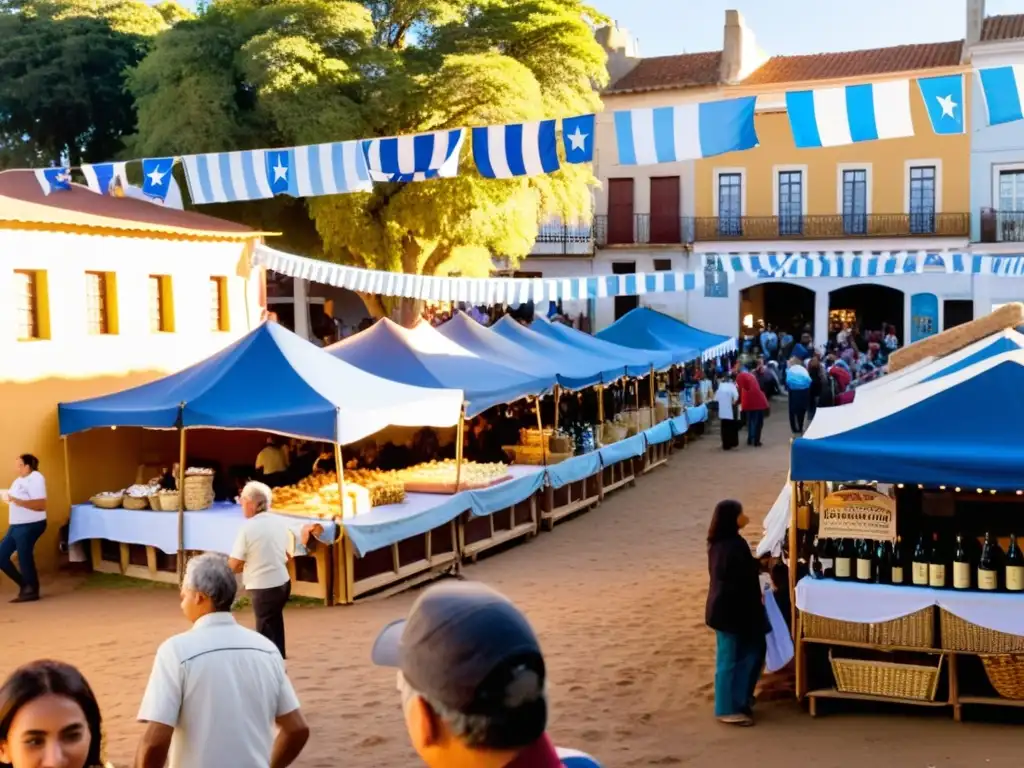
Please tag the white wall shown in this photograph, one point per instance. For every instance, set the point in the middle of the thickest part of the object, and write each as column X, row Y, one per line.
column 72, row 352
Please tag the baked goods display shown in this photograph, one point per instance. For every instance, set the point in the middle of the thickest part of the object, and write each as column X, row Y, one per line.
column 439, row 476
column 318, row 496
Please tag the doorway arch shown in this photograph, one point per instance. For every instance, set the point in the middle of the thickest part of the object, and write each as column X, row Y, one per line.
column 870, row 305
column 787, row 306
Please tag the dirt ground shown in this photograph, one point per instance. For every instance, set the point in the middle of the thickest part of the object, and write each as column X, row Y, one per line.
column 617, row 597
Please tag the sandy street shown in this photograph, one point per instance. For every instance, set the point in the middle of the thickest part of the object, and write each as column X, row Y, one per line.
column 617, row 596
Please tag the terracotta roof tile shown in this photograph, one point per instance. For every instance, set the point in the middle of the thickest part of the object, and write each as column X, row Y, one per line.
column 24, row 206
column 1009, row 27
column 686, row 70
column 877, row 61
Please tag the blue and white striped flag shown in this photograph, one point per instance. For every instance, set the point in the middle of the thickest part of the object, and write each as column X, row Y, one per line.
column 943, row 98
column 330, row 169
column 521, row 149
column 102, row 178
column 687, row 132
column 1003, row 89
column 831, row 117
column 414, row 158
column 54, row 179
column 227, row 177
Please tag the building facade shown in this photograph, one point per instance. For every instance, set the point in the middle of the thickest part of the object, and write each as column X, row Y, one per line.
column 104, row 294
column 912, row 194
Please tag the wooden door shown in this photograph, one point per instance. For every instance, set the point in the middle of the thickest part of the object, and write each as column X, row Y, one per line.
column 620, row 211
column 665, row 210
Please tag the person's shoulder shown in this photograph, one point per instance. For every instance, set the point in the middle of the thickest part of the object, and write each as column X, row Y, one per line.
column 573, row 758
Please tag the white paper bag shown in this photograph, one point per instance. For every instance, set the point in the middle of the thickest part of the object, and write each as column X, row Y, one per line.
column 780, row 644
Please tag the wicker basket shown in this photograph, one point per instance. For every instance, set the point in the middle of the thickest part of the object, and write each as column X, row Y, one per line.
column 165, row 501
column 885, row 678
column 198, row 492
column 916, row 630
column 135, row 502
column 1006, row 673
column 960, row 635
column 107, row 502
column 820, row 628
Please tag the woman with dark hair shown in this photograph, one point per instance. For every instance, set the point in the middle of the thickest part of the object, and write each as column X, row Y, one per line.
column 26, row 500
column 49, row 717
column 735, row 610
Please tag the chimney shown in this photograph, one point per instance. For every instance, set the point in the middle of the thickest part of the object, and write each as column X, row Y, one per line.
column 740, row 52
column 621, row 48
column 975, row 21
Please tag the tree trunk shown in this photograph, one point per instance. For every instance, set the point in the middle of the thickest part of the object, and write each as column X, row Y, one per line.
column 374, row 305
column 409, row 311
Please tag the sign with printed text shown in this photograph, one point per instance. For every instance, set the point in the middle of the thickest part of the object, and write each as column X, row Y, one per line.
column 858, row 514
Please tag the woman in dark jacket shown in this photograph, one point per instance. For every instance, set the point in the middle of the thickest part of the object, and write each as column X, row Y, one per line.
column 735, row 610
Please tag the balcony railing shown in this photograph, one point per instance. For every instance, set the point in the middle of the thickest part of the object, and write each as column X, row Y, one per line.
column 555, row 238
column 652, row 229
column 1002, row 226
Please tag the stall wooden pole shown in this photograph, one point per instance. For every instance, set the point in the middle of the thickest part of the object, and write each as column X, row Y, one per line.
column 339, row 544
column 794, row 539
column 540, row 428
column 340, row 470
column 653, row 392
column 600, row 403
column 558, row 400
column 636, row 400
column 181, row 505
column 460, row 432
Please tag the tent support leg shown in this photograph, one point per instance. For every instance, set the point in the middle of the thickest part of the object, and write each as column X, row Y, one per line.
column 460, row 431
column 181, row 504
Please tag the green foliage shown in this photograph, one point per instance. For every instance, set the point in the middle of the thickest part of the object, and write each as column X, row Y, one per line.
column 62, row 77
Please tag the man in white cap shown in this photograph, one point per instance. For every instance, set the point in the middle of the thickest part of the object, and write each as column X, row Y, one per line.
column 471, row 675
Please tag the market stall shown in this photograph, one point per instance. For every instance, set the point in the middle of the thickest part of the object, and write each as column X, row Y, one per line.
column 314, row 397
column 926, row 608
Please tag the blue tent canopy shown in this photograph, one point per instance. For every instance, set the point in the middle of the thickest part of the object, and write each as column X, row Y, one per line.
column 638, row 362
column 577, row 367
column 1004, row 342
column 424, row 358
column 644, row 328
column 268, row 380
column 482, row 341
column 929, row 433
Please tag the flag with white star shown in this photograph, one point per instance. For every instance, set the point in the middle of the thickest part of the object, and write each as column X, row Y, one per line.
column 281, row 172
column 943, row 98
column 578, row 139
column 57, row 179
column 157, row 177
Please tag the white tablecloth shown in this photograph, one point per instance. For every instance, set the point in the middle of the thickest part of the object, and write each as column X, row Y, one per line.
column 874, row 603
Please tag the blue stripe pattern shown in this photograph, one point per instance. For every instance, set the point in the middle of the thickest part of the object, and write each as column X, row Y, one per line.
column 519, row 152
column 860, row 108
column 1002, row 97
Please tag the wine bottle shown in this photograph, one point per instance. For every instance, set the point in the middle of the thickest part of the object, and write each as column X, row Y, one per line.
column 883, row 562
column 844, row 558
column 961, row 565
column 896, row 571
column 817, row 571
column 937, row 565
column 864, row 569
column 1014, row 566
column 988, row 564
column 920, row 564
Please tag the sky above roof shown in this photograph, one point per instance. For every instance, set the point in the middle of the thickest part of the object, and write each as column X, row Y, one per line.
column 795, row 26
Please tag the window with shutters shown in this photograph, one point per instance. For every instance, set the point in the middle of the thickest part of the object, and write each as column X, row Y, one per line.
column 100, row 303
column 29, row 305
column 219, row 318
column 161, row 304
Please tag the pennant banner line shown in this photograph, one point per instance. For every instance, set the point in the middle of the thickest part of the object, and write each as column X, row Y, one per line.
column 514, row 290
column 820, row 117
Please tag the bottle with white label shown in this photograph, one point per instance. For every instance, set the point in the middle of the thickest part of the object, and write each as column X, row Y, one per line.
column 937, row 565
column 844, row 560
column 988, row 564
column 962, row 566
column 896, row 571
column 864, row 564
column 1014, row 566
column 919, row 565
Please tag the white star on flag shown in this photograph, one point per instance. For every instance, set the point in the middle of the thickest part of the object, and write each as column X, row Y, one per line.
column 947, row 104
column 156, row 177
column 578, row 140
column 280, row 171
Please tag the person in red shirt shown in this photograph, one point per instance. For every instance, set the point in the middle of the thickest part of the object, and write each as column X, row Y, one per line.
column 753, row 403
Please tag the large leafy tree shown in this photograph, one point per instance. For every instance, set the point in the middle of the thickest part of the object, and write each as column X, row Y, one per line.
column 63, row 65
column 255, row 73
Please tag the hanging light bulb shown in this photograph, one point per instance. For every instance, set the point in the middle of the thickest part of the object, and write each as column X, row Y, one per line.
column 942, row 487
column 920, row 487
column 980, row 491
column 899, row 485
column 957, row 489
column 993, row 492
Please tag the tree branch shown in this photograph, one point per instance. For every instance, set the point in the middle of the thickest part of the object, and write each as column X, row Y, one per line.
column 434, row 262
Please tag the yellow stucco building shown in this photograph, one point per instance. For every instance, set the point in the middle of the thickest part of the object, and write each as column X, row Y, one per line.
column 100, row 294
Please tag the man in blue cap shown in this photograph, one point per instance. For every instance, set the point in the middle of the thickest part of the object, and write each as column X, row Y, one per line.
column 471, row 675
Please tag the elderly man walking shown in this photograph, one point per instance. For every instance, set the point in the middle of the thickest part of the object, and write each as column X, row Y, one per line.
column 260, row 554
column 216, row 691
column 472, row 681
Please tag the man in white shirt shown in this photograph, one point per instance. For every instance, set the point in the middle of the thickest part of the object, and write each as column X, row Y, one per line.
column 273, row 459
column 216, row 691
column 260, row 554
column 727, row 398
column 27, row 516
